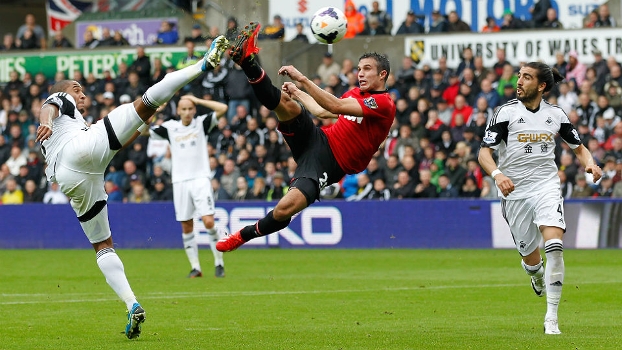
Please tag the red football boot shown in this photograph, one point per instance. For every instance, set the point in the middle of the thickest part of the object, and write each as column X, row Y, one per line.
column 246, row 43
column 230, row 243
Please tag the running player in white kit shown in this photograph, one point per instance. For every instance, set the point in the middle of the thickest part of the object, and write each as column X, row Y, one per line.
column 192, row 188
column 78, row 155
column 523, row 131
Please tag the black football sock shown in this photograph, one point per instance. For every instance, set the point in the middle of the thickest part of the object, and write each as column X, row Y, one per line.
column 266, row 93
column 263, row 227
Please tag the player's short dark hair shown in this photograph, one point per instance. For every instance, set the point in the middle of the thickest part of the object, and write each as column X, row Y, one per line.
column 381, row 60
column 546, row 74
column 61, row 86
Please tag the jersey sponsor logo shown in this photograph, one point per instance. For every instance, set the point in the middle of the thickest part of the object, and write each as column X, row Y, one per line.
column 535, row 137
column 186, row 137
column 521, row 121
column 490, row 136
column 370, row 102
column 351, row 118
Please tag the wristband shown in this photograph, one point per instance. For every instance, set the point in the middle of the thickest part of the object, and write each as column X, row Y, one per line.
column 495, row 173
column 143, row 128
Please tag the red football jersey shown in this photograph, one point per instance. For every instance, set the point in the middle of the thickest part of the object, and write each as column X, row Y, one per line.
column 354, row 140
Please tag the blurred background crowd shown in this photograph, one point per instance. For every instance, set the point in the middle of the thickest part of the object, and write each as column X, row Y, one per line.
column 431, row 151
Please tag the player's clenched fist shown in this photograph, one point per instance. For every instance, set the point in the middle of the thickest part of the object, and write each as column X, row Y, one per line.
column 505, row 184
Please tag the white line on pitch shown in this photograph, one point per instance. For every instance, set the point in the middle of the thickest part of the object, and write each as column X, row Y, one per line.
column 181, row 295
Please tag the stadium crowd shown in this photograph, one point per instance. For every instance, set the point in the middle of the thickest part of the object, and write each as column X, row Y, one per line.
column 431, row 151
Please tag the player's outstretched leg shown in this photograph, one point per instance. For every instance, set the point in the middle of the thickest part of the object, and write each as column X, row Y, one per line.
column 244, row 53
column 162, row 91
column 263, row 227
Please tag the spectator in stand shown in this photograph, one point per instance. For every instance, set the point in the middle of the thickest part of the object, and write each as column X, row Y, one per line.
column 219, row 192
column 142, row 66
column 327, row 68
column 470, row 189
column 60, row 41
column 114, row 192
column 356, row 20
column 54, row 195
column 274, row 31
column 384, row 20
column 36, row 31
column 138, row 194
column 462, row 108
column 28, row 41
column 604, row 17
column 425, row 189
column 106, row 38
column 410, row 25
column 8, row 42
column 379, row 191
column 242, row 192
column 277, row 189
column 364, row 188
column 605, row 187
column 118, row 39
column 167, row 35
column 539, row 13
column 455, row 171
column 466, row 60
column 159, row 71
column 32, row 194
column 456, row 24
column 491, row 96
column 491, row 25
column 445, row 189
column 507, row 77
column 238, row 89
column 581, row 189
column 551, row 20
column 567, row 99
column 591, row 20
column 232, row 29
column 404, row 187
column 373, row 28
column 16, row 160
column 135, row 87
column 90, row 42
column 300, row 35
column 438, row 24
column 501, row 61
column 452, row 89
column 575, row 70
column 196, row 35
column 510, row 22
column 13, row 194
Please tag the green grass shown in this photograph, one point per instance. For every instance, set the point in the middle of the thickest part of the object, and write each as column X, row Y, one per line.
column 308, row 299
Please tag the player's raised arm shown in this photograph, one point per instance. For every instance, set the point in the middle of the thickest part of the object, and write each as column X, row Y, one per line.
column 218, row 107
column 334, row 105
column 48, row 113
column 294, row 92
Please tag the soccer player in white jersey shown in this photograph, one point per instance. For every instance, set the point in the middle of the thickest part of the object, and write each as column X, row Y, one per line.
column 192, row 189
column 523, row 132
column 78, row 155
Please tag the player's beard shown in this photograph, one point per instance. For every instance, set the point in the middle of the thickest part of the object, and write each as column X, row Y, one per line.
column 528, row 96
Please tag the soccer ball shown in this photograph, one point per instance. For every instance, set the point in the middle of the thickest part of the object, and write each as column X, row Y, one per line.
column 328, row 25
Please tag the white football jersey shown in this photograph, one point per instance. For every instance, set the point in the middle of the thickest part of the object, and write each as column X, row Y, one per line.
column 525, row 141
column 62, row 128
column 188, row 146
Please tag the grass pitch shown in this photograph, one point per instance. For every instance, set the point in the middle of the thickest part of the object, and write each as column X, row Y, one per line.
column 308, row 299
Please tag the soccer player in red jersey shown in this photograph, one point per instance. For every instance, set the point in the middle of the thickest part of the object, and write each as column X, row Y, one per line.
column 364, row 116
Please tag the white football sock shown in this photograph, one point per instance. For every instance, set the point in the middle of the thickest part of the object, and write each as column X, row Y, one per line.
column 213, row 238
column 554, row 276
column 192, row 249
column 112, row 268
column 536, row 271
column 162, row 91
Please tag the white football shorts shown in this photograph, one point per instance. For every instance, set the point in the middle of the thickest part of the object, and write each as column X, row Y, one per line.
column 525, row 216
column 82, row 162
column 193, row 196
